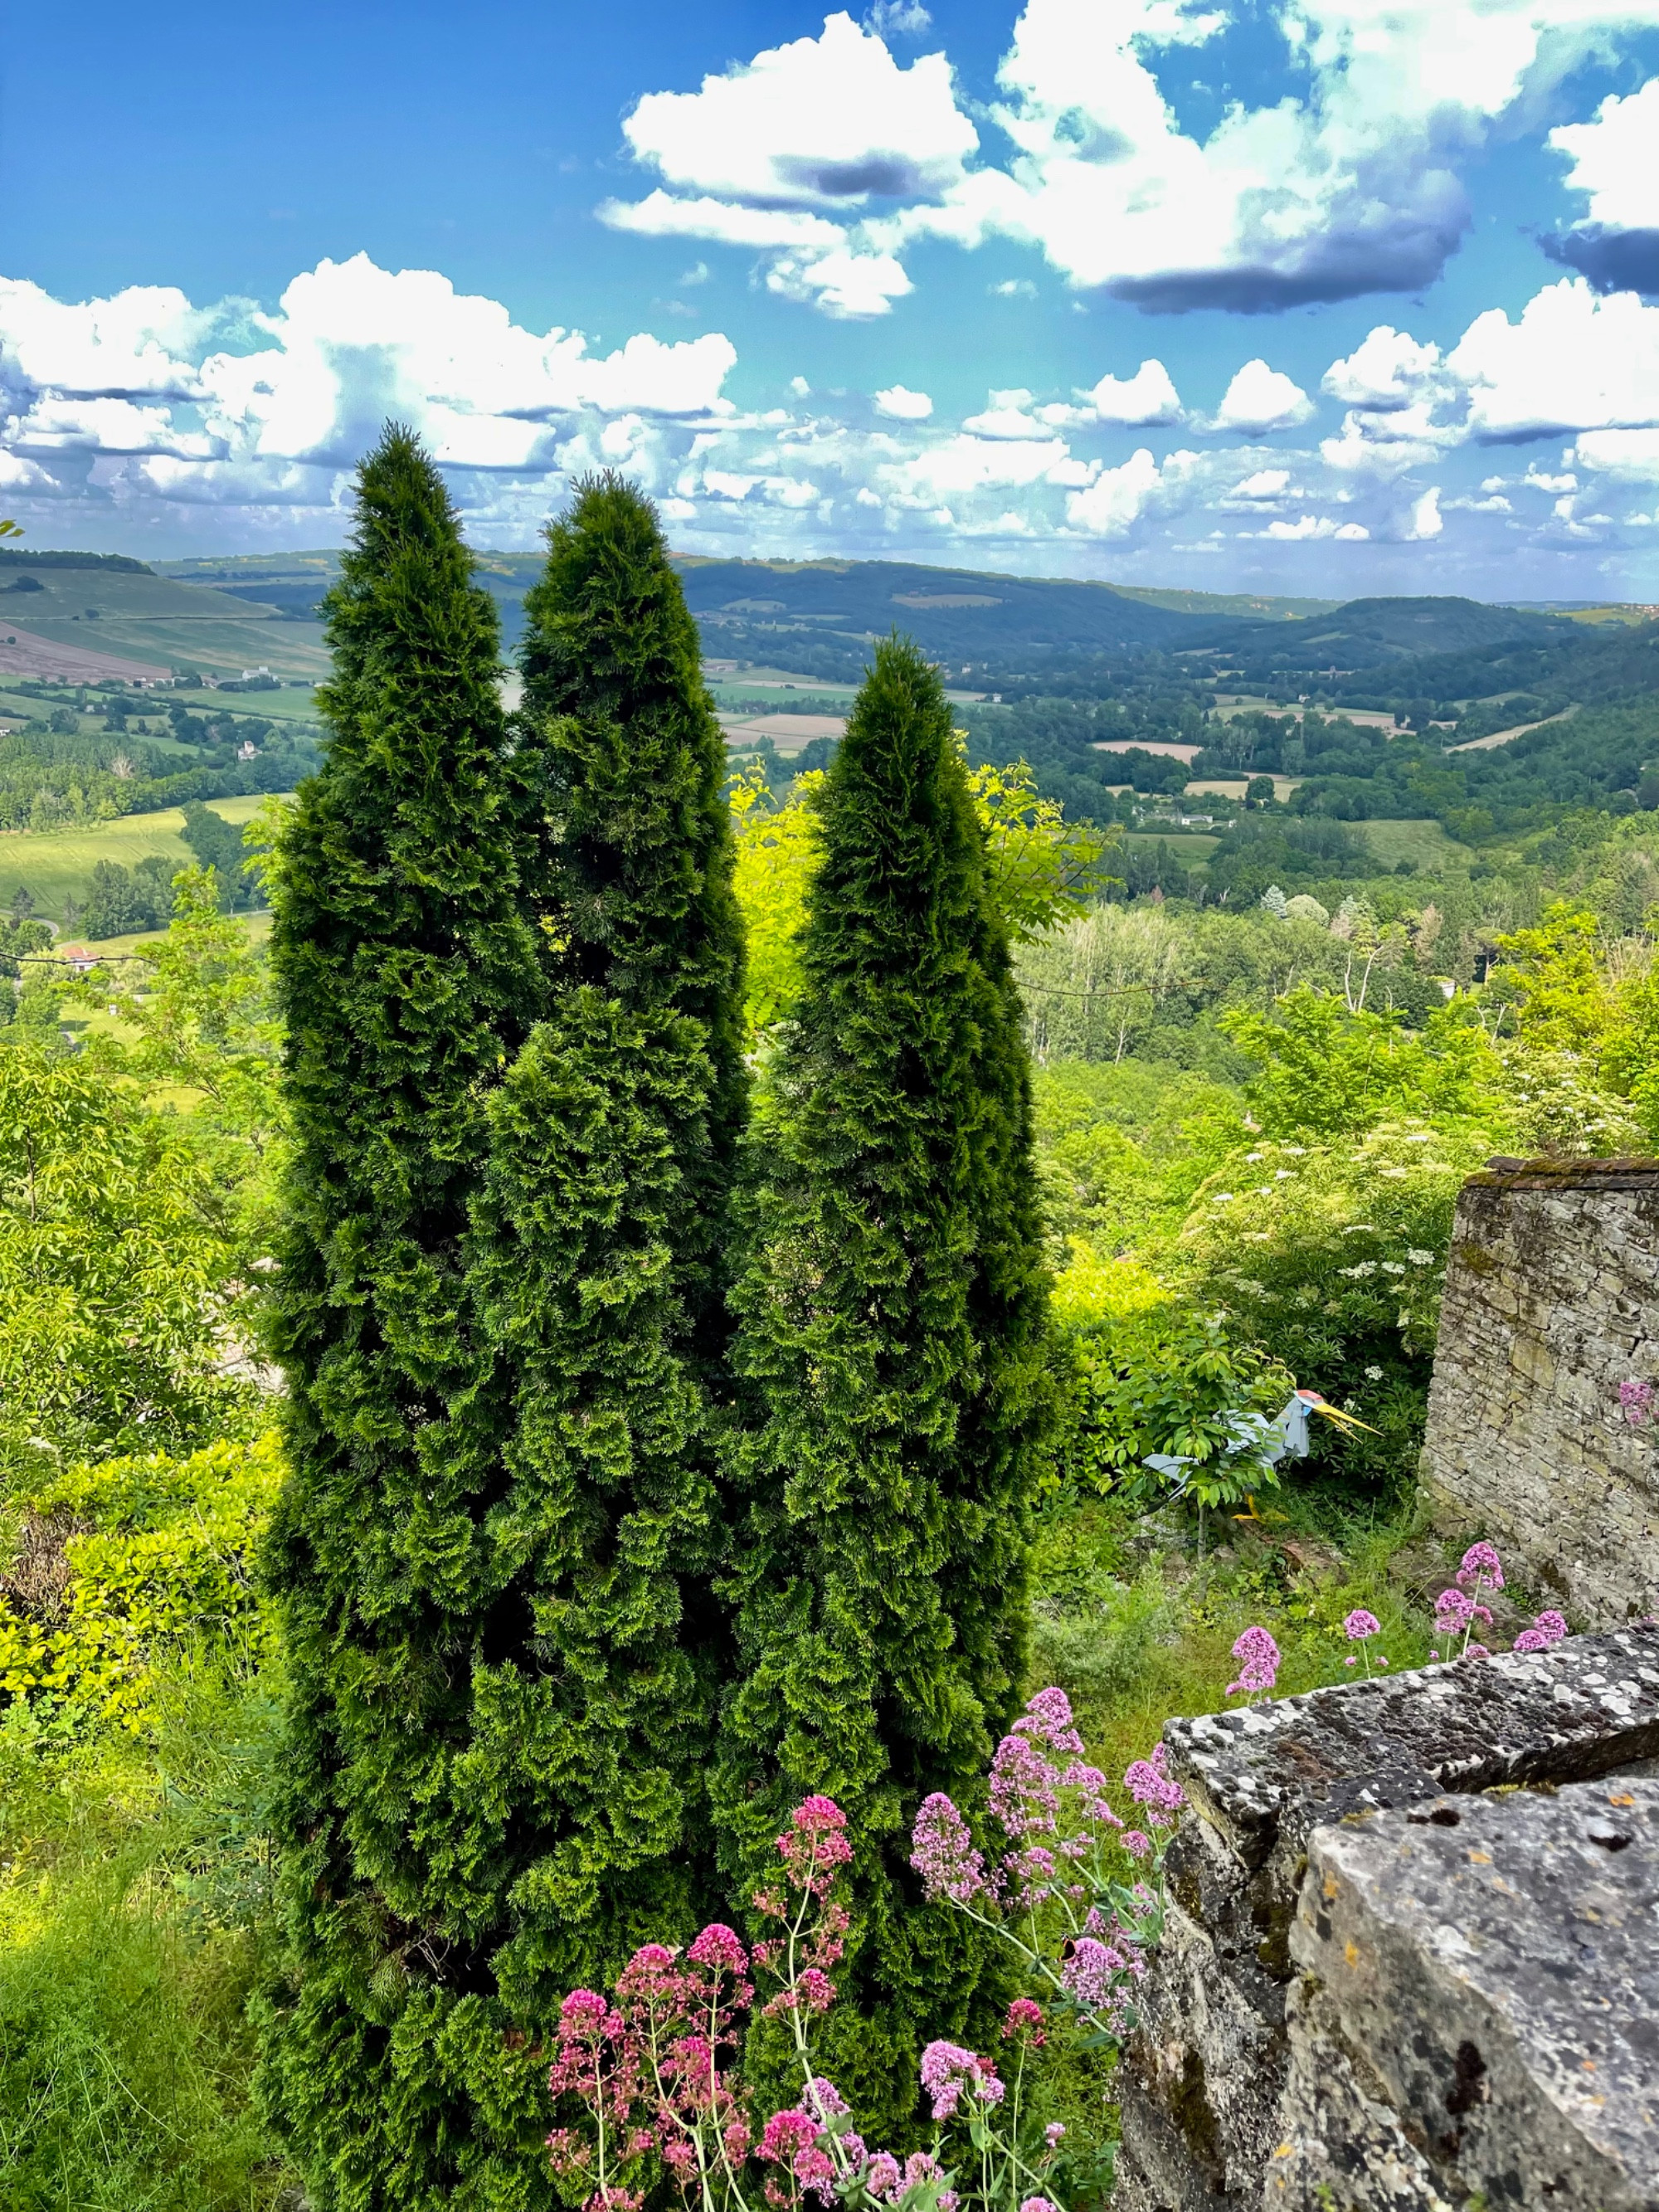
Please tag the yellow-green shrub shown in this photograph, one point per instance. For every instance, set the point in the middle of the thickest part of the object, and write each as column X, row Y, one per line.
column 163, row 1551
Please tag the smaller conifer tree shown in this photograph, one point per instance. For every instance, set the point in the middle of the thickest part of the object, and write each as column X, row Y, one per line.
column 890, row 1311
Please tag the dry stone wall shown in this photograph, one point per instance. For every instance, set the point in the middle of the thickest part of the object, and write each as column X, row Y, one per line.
column 1412, row 1957
column 1552, row 1303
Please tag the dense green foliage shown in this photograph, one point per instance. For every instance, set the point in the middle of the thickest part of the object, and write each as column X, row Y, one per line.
column 406, row 970
column 890, row 1310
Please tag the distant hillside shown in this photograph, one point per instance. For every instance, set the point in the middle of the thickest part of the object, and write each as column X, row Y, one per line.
column 88, row 602
column 1245, row 604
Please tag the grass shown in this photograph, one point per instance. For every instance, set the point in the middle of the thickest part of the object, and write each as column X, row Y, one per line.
column 1183, row 844
column 125, row 2049
column 56, row 864
column 1425, row 842
column 1135, row 1629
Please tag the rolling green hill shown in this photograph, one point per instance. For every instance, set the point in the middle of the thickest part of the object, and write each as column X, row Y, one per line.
column 132, row 612
column 58, row 864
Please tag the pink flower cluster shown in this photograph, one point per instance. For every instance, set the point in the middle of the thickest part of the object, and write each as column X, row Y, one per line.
column 1258, row 1670
column 1546, row 1629
column 655, row 2067
column 1457, row 1610
column 1056, row 1817
column 947, row 2070
column 1636, row 1402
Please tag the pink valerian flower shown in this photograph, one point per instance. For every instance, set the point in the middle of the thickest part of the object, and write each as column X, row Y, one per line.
column 786, row 2134
column 1477, row 1651
column 1136, row 1844
column 1036, row 2204
column 1149, row 1782
column 1053, row 2134
column 1452, row 1611
column 1552, row 1626
column 1091, row 1970
column 1531, row 1639
column 718, row 1946
column 942, row 1852
column 1049, row 1717
column 947, row 2070
column 1636, row 1399
column 920, row 2166
column 1024, row 2017
column 1258, row 1657
column 1092, row 1784
column 1480, row 1564
column 814, row 1845
column 883, row 2178
column 1024, row 1789
column 1360, row 1624
column 1031, row 1876
column 823, row 2098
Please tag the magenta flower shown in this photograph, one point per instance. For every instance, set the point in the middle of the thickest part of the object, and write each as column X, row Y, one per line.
column 1148, row 1780
column 718, row 1946
column 1025, row 2016
column 1637, row 1401
column 942, row 1852
column 1036, row 2204
column 786, row 2134
column 1052, row 2133
column 1090, row 1974
column 1360, row 1624
column 1048, row 1716
column 1552, row 1626
column 1481, row 1562
column 1024, row 1788
column 1258, row 1663
column 947, row 2070
column 883, row 2176
column 1530, row 1639
column 1452, row 1611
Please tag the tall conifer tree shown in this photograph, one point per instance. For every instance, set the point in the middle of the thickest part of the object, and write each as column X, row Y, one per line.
column 600, row 1242
column 634, row 770
column 890, row 1320
column 408, row 974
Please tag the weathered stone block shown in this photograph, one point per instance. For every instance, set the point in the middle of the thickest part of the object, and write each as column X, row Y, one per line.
column 1478, row 2011
column 1552, row 1302
column 1206, row 2072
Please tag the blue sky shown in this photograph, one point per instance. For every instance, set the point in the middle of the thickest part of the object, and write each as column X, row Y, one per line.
column 1327, row 296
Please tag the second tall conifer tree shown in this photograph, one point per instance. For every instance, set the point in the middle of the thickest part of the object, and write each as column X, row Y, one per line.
column 890, row 1313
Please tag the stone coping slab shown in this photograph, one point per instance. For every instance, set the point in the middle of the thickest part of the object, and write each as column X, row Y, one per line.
column 1264, row 1775
column 1507, row 1174
column 1493, row 1963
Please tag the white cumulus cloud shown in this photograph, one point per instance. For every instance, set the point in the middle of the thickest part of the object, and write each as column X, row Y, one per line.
column 1261, row 398
column 903, row 405
column 1116, row 500
column 1613, row 158
column 1147, row 397
column 1574, row 362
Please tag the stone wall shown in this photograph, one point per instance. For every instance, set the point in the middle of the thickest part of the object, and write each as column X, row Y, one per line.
column 1382, row 1988
column 1552, row 1302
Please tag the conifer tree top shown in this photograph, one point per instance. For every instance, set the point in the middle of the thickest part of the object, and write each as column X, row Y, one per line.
column 899, row 900
column 609, row 625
